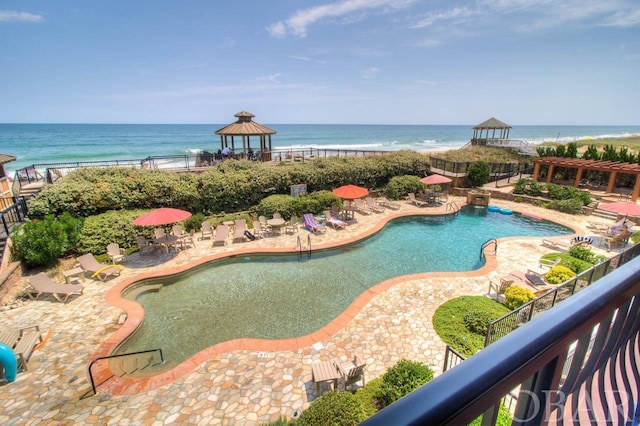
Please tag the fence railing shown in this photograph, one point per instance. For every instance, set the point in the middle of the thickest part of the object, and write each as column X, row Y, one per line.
column 504, row 325
column 598, row 383
column 499, row 171
column 12, row 214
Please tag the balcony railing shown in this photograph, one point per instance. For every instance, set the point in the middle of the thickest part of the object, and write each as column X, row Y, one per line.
column 574, row 364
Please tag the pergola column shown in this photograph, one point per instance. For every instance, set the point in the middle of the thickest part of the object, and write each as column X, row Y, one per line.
column 550, row 173
column 636, row 189
column 612, row 181
column 578, row 177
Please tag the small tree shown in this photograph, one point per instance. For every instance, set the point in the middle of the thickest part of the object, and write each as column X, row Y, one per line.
column 478, row 173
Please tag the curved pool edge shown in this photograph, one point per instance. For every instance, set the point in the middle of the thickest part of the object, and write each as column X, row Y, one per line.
column 115, row 385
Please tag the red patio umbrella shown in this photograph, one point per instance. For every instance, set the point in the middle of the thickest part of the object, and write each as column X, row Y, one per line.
column 161, row 216
column 623, row 207
column 435, row 179
column 351, row 192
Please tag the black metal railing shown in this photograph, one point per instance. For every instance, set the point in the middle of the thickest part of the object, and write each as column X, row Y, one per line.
column 13, row 214
column 102, row 358
column 487, row 244
column 502, row 326
column 576, row 361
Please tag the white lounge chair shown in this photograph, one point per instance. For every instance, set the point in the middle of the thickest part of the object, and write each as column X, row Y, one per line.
column 115, row 253
column 42, row 284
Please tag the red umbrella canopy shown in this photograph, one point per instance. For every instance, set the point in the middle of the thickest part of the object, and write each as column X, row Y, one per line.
column 624, row 207
column 161, row 216
column 435, row 179
column 351, row 192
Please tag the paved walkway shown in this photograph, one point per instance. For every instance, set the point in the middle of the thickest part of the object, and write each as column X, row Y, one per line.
column 244, row 387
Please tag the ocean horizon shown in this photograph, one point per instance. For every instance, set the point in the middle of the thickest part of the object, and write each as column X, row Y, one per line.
column 57, row 143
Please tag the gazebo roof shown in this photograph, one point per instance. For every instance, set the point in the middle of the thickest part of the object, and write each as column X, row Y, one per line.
column 245, row 126
column 492, row 123
column 5, row 158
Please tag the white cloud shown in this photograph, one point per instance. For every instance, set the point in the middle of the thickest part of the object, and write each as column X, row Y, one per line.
column 370, row 73
column 623, row 19
column 458, row 14
column 430, row 42
column 14, row 16
column 300, row 21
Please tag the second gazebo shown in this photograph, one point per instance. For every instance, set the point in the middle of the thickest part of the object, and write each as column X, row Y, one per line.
column 491, row 124
column 246, row 128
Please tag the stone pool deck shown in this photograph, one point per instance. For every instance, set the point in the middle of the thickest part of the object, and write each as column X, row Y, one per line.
column 242, row 386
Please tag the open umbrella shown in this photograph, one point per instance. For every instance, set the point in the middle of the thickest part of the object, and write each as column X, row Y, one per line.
column 161, row 216
column 435, row 179
column 623, row 207
column 351, row 192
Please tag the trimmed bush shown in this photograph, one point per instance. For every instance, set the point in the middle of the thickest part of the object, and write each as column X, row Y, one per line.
column 367, row 396
column 559, row 274
column 583, row 253
column 401, row 379
column 573, row 263
column 478, row 173
column 287, row 205
column 516, row 296
column 333, row 409
column 477, row 321
column 448, row 322
column 528, row 187
column 194, row 222
column 111, row 227
column 399, row 186
column 571, row 206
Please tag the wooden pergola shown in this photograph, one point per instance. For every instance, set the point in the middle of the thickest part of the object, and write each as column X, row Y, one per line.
column 491, row 125
column 246, row 128
column 611, row 167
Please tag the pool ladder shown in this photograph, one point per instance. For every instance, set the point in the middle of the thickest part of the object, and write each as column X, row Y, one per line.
column 300, row 248
column 130, row 354
column 486, row 244
column 452, row 206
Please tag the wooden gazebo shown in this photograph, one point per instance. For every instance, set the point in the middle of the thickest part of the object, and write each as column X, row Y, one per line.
column 611, row 167
column 491, row 125
column 246, row 128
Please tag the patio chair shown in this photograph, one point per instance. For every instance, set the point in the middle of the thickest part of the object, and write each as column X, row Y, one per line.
column 206, row 230
column 310, row 222
column 293, row 225
column 115, row 253
column 42, row 284
column 334, row 222
column 277, row 216
column 352, row 372
column 361, row 208
column 373, row 205
column 238, row 229
column 530, row 280
column 258, row 230
column 220, row 237
column 620, row 239
column 383, row 201
column 548, row 263
column 416, row 202
column 96, row 269
column 187, row 239
column 159, row 233
column 22, row 342
column 498, row 289
column 144, row 245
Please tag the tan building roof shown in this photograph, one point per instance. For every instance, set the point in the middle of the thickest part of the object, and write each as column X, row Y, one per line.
column 245, row 126
column 492, row 123
column 5, row 158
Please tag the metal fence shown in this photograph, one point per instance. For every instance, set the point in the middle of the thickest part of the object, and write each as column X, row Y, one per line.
column 12, row 214
column 499, row 171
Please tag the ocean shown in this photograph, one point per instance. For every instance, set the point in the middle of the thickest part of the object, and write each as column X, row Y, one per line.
column 53, row 143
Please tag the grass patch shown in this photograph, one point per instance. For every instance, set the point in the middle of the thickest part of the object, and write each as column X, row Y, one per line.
column 448, row 321
column 482, row 153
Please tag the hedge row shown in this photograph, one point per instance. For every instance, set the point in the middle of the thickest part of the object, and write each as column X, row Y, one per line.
column 230, row 187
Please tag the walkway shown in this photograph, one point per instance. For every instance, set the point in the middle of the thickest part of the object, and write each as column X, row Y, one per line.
column 241, row 386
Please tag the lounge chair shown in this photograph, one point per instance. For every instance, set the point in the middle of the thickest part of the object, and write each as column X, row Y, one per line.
column 373, row 205
column 383, row 201
column 220, row 237
column 496, row 290
column 361, row 208
column 620, row 239
column 416, row 202
column 22, row 342
column 206, row 230
column 558, row 244
column 548, row 263
column 42, row 284
column 530, row 280
column 334, row 222
column 145, row 245
column 115, row 253
column 310, row 222
column 352, row 371
column 239, row 228
column 96, row 269
column 292, row 226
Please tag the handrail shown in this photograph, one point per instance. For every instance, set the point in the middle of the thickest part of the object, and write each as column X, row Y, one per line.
column 486, row 243
column 299, row 249
column 452, row 206
column 309, row 246
column 93, row 385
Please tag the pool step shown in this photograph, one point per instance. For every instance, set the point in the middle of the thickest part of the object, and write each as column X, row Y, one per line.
column 133, row 294
column 128, row 365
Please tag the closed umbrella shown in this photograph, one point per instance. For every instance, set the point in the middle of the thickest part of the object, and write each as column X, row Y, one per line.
column 435, row 179
column 623, row 207
column 351, row 192
column 162, row 216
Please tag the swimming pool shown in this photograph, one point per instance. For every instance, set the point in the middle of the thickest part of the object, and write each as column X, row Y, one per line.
column 278, row 296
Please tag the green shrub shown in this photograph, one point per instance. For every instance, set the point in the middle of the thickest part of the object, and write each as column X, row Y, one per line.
column 448, row 322
column 566, row 192
column 194, row 222
column 477, row 321
column 478, row 173
column 282, row 421
column 367, row 396
column 333, row 409
column 287, row 205
column 504, row 418
column 571, row 206
column 42, row 242
column 583, row 253
column 399, row 186
column 635, row 237
column 528, row 187
column 559, row 274
column 111, row 227
column 516, row 296
column 401, row 379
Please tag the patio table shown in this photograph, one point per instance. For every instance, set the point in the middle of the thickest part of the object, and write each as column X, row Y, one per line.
column 324, row 371
column 275, row 224
column 166, row 241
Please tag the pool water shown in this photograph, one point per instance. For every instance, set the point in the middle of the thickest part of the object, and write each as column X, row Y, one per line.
column 280, row 296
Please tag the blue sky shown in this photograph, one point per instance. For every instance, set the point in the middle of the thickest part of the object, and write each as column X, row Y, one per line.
column 343, row 61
